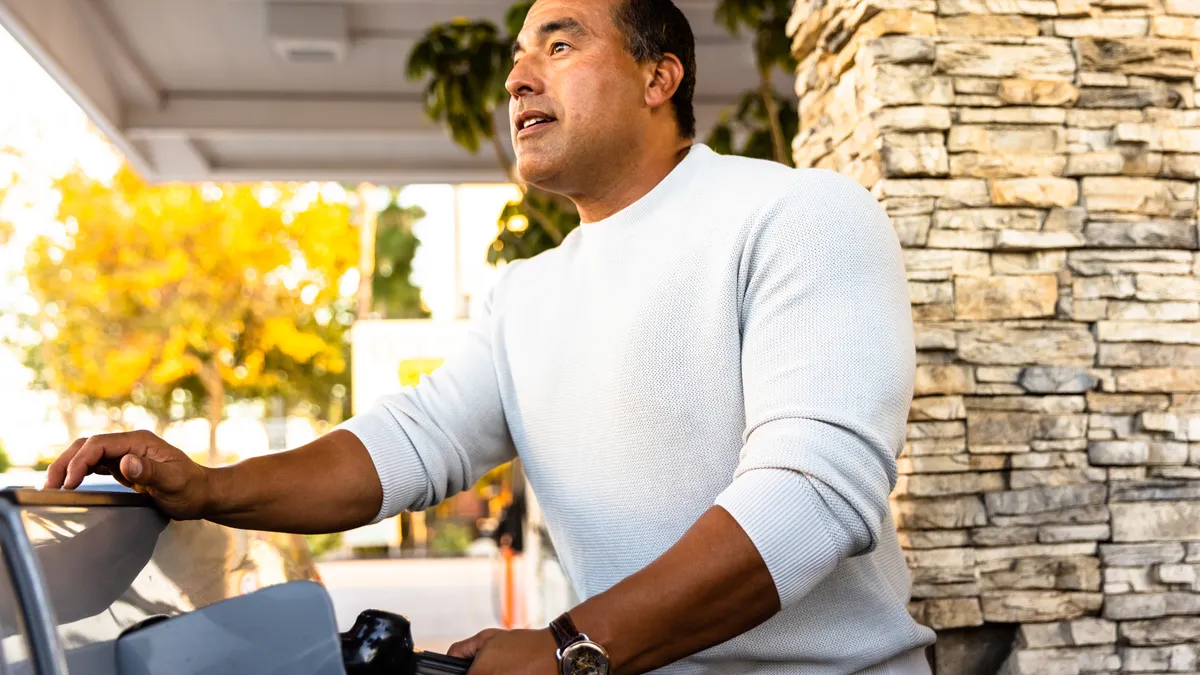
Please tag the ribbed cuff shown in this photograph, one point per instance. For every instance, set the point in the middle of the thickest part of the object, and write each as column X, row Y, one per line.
column 788, row 523
column 401, row 472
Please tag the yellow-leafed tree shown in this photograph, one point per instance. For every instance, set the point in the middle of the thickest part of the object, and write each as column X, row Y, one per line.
column 224, row 290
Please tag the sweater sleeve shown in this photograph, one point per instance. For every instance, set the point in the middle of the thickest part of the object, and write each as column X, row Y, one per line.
column 436, row 439
column 828, row 364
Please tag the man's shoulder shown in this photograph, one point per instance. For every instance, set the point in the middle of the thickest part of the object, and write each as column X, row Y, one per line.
column 765, row 186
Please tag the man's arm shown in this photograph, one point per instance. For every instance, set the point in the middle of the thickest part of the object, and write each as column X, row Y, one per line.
column 329, row 485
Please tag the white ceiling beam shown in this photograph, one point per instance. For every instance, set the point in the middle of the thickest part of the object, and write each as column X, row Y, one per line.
column 59, row 39
column 178, row 155
column 384, row 175
column 203, row 116
column 146, row 89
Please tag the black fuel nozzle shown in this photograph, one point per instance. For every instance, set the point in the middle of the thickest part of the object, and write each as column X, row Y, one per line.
column 380, row 643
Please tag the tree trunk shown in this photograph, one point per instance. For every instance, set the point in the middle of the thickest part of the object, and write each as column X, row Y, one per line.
column 502, row 155
column 777, row 140
column 214, row 388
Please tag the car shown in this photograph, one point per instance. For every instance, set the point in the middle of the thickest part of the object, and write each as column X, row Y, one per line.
column 98, row 581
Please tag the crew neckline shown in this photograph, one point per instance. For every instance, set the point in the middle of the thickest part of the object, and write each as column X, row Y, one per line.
column 660, row 193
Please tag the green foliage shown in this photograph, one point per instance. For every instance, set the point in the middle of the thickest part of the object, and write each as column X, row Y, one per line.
column 767, row 21
column 393, row 294
column 746, row 130
column 773, row 119
column 467, row 63
column 450, row 538
column 42, row 463
column 524, row 237
column 320, row 545
column 5, row 461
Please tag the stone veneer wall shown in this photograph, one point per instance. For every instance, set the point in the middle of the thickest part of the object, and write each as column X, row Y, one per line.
column 1039, row 160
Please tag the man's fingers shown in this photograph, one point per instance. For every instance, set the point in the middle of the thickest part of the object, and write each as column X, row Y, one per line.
column 467, row 649
column 99, row 448
column 56, row 473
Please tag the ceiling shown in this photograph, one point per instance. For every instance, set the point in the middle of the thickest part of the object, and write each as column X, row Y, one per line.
column 200, row 89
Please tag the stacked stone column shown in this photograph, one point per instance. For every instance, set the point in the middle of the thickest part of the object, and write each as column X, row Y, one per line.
column 1039, row 160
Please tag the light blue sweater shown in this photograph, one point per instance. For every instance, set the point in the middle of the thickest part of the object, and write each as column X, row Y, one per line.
column 739, row 336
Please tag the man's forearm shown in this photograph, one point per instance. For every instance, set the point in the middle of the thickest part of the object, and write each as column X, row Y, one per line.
column 329, row 485
column 712, row 585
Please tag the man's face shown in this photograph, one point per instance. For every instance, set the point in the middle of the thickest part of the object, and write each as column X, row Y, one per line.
column 577, row 94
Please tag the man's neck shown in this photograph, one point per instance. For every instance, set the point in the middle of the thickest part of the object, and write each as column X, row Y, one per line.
column 632, row 181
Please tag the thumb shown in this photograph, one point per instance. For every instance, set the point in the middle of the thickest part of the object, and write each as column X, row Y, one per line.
column 139, row 470
column 467, row 649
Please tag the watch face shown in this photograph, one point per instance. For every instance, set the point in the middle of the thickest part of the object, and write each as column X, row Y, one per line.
column 585, row 658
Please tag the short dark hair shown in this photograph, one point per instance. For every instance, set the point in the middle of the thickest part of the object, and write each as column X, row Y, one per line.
column 653, row 28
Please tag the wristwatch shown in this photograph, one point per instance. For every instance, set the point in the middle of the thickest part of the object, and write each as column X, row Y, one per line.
column 577, row 654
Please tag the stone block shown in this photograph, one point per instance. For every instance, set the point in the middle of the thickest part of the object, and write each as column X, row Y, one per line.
column 1148, row 331
column 1036, row 192
column 1065, row 344
column 972, row 25
column 1155, row 521
column 1152, row 57
column 944, row 379
column 1159, row 379
column 1160, row 288
column 948, row 484
column 1130, row 261
column 1047, row 92
column 1053, row 61
column 1176, row 574
column 953, row 513
column 913, row 118
column 1027, row 606
column 1154, row 311
column 1081, row 514
column 987, row 299
column 1057, row 380
column 1147, row 354
column 1118, row 453
column 922, row 539
column 1054, row 534
column 1143, row 196
column 1175, row 658
column 937, row 408
column 1111, row 286
column 1134, row 555
column 1034, row 262
column 1165, row 631
column 944, row 613
column 1043, row 499
column 1145, row 234
column 932, row 292
column 1006, row 139
column 1114, row 27
column 982, row 165
column 1021, row 240
column 1154, row 490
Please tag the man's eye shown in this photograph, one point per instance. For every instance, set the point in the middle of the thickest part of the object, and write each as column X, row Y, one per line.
column 558, row 47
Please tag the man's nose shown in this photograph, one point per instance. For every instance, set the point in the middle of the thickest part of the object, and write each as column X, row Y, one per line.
column 525, row 78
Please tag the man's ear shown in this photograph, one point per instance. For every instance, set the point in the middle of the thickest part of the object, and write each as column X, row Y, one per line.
column 664, row 80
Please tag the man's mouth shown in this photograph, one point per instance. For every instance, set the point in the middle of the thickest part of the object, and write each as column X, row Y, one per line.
column 531, row 122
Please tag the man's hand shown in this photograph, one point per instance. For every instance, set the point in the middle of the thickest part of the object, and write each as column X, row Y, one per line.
column 142, row 461
column 509, row 652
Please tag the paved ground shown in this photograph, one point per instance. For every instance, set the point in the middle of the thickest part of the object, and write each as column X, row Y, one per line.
column 446, row 599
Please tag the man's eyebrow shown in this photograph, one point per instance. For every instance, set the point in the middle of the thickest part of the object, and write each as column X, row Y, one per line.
column 565, row 25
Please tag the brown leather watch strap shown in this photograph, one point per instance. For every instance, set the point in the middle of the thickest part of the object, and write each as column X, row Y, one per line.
column 564, row 631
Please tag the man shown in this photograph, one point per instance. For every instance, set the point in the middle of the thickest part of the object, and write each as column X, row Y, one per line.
column 707, row 382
